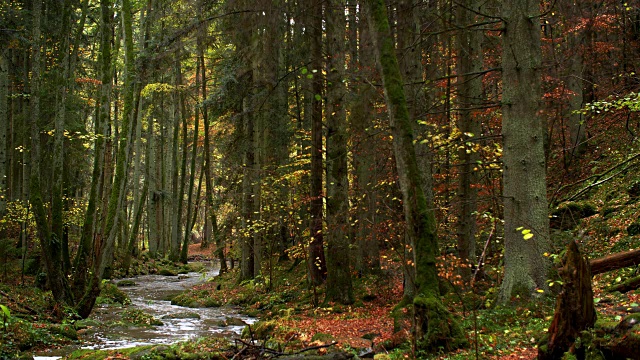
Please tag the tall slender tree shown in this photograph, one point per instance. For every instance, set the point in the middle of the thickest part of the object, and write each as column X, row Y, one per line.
column 317, row 263
column 469, row 84
column 434, row 325
column 339, row 287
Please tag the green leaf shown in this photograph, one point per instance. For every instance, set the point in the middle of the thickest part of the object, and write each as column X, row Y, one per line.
column 304, row 70
column 318, row 97
column 5, row 310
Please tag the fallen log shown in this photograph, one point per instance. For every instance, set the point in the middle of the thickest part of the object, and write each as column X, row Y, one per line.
column 574, row 311
column 615, row 261
column 626, row 286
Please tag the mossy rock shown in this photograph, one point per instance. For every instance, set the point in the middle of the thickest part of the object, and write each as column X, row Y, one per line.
column 231, row 321
column 261, row 329
column 211, row 302
column 182, row 315
column 196, row 267
column 567, row 215
column 111, row 294
column 140, row 318
column 167, row 272
column 130, row 353
column 65, row 330
column 86, row 323
column 126, row 283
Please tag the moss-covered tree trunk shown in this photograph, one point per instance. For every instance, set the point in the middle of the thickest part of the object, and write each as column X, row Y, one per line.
column 106, row 248
column 51, row 254
column 524, row 174
column 85, row 284
column 339, row 286
column 435, row 327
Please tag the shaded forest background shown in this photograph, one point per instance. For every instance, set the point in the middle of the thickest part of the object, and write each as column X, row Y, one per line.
column 459, row 139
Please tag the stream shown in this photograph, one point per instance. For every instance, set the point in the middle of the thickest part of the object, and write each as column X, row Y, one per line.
column 150, row 294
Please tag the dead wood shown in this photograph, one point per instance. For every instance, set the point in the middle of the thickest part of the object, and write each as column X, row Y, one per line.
column 627, row 285
column 615, row 261
column 574, row 311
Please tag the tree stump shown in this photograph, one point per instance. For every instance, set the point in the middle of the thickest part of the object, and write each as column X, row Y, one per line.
column 574, row 311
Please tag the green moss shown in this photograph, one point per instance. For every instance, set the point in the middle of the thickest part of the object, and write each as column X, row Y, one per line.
column 110, row 294
column 322, row 337
column 65, row 330
column 140, row 318
column 440, row 330
column 182, row 315
column 126, row 283
column 88, row 354
column 167, row 272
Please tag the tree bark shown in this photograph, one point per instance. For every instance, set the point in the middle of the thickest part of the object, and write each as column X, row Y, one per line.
column 317, row 263
column 105, row 251
column 470, row 95
column 435, row 327
column 50, row 249
column 339, row 287
column 524, row 173
column 4, row 125
column 574, row 308
column 367, row 257
column 615, row 261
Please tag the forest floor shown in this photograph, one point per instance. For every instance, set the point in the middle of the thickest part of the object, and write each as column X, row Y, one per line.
column 293, row 317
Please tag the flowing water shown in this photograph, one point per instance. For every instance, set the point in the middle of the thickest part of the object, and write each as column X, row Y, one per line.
column 150, row 294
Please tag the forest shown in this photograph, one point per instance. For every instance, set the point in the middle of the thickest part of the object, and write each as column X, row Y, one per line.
column 446, row 179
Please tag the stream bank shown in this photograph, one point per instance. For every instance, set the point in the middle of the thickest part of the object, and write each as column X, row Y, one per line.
column 151, row 319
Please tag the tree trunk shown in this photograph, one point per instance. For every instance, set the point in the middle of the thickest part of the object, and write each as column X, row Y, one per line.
column 50, row 246
column 105, row 251
column 84, row 279
column 574, row 308
column 470, row 95
column 4, row 125
column 339, row 287
column 435, row 327
column 190, row 205
column 177, row 180
column 317, row 263
column 524, row 173
column 247, row 258
column 367, row 247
